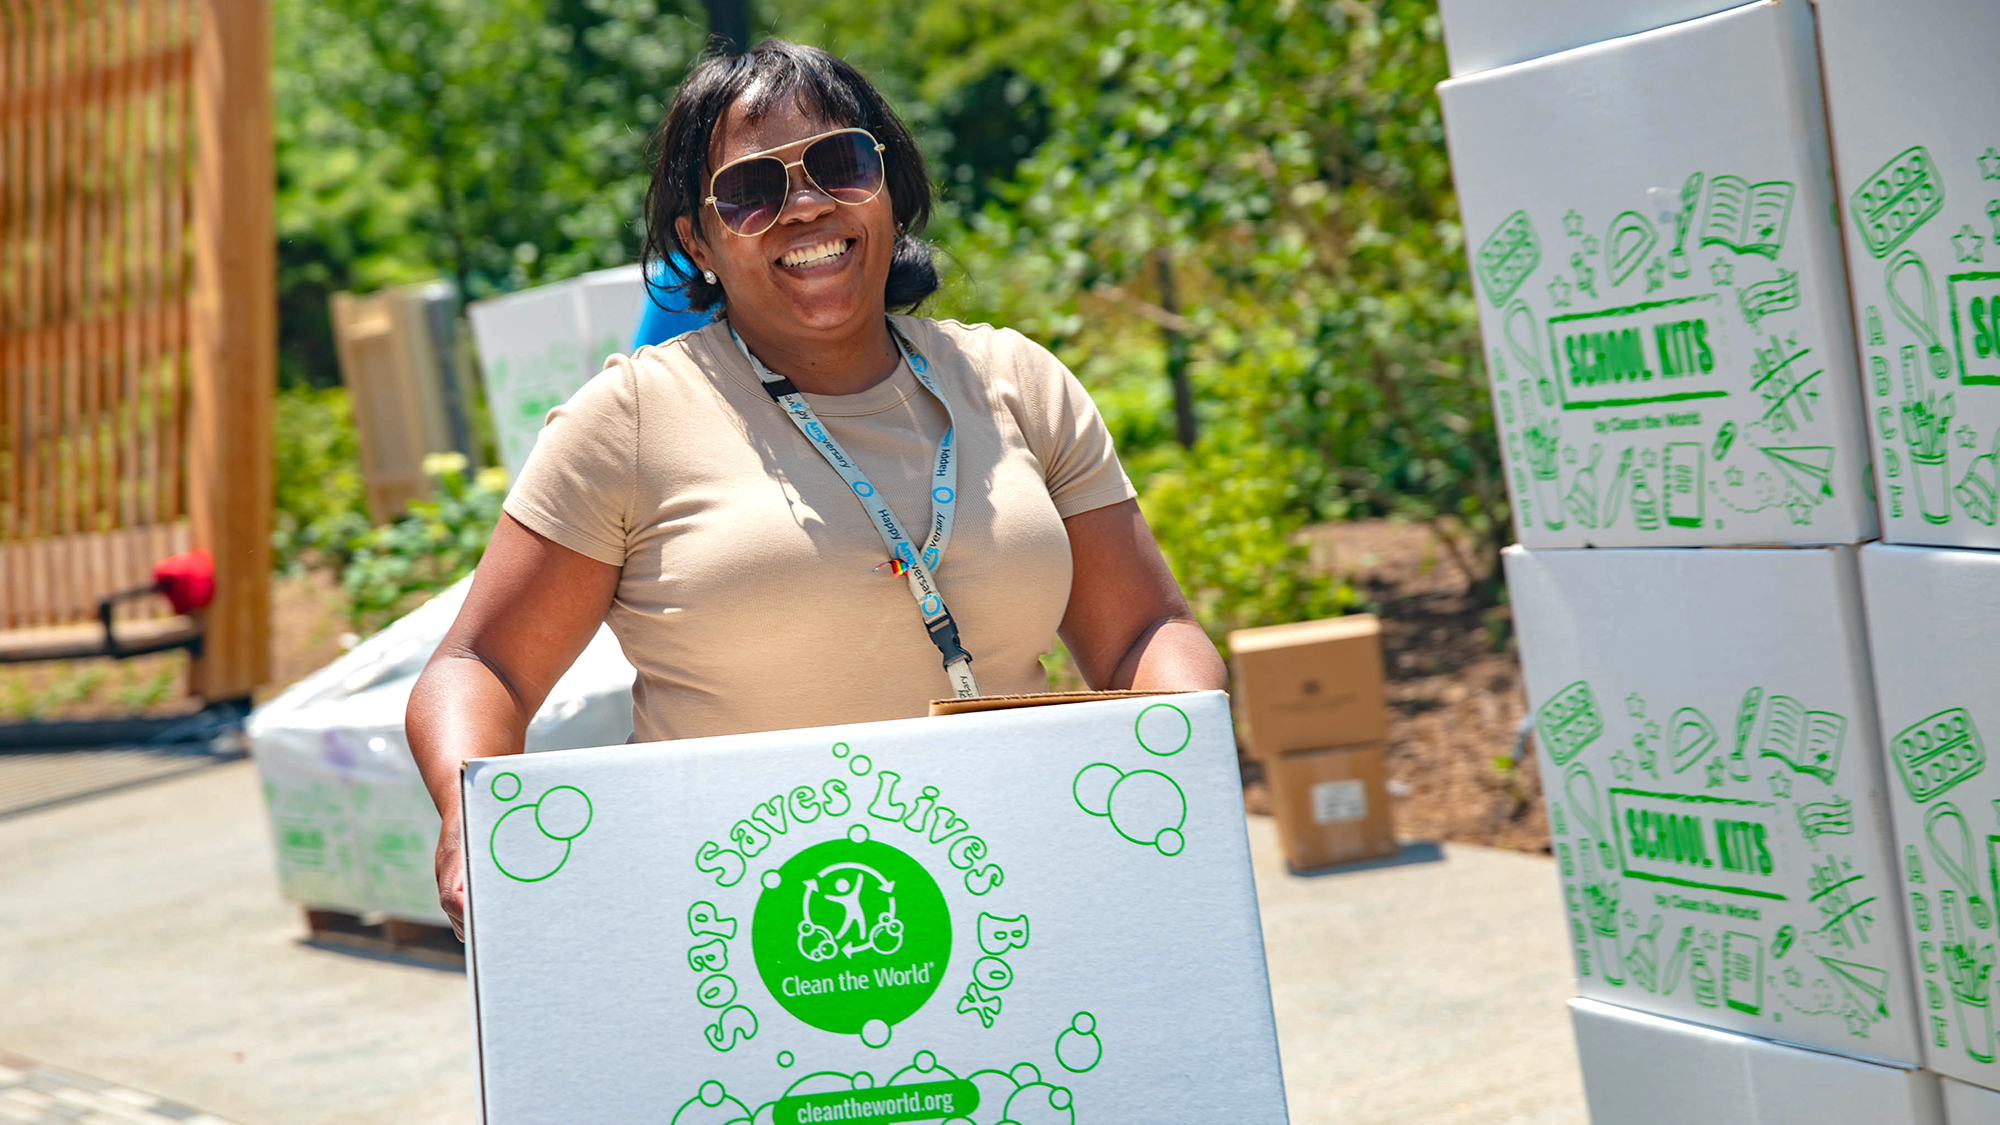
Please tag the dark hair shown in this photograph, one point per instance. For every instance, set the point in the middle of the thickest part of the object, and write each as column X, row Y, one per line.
column 770, row 74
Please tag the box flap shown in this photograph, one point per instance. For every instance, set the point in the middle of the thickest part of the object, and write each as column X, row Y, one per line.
column 1031, row 699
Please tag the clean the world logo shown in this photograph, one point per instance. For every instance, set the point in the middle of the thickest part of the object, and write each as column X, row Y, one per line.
column 851, row 936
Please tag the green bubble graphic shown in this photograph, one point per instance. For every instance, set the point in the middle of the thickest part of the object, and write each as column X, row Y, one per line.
column 712, row 1105
column 1163, row 729
column 1092, row 788
column 532, row 842
column 563, row 812
column 1078, row 1049
column 1145, row 806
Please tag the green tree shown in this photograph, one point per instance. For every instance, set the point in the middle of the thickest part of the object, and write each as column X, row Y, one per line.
column 1277, row 171
column 498, row 142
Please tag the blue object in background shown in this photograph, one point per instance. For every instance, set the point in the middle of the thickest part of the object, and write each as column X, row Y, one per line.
column 665, row 314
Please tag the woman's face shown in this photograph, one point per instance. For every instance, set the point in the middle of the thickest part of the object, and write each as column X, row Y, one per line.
column 820, row 270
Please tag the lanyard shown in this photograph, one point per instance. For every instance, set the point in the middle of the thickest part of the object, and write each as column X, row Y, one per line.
column 944, row 498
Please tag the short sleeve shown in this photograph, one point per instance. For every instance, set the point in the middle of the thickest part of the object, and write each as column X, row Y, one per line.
column 1067, row 434
column 578, row 483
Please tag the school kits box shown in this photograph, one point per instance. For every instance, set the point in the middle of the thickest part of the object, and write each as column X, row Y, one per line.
column 1641, row 1069
column 1033, row 915
column 1910, row 91
column 1934, row 628
column 1650, row 224
column 1705, row 731
column 1482, row 34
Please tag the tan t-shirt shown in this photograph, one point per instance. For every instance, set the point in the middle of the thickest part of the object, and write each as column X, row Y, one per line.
column 749, row 598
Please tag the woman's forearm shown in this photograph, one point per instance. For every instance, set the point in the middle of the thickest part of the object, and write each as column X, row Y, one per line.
column 1171, row 654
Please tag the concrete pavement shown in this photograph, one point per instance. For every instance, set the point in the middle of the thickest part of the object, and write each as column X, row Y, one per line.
column 142, row 941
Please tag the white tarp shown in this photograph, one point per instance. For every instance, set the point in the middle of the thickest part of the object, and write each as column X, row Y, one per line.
column 351, row 822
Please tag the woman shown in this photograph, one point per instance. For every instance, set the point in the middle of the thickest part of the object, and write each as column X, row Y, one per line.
column 808, row 512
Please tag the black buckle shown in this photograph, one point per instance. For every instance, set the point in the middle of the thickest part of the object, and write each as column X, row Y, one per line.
column 944, row 635
column 780, row 388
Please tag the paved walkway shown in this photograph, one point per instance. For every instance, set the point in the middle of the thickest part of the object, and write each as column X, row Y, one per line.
column 33, row 1094
column 142, row 940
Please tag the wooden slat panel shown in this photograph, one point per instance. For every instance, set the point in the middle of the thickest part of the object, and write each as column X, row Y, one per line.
column 126, row 74
column 96, row 150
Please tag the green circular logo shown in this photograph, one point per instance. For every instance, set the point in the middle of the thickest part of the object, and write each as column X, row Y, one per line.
column 851, row 936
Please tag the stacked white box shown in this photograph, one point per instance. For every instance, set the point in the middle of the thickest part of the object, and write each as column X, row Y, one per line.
column 537, row 346
column 1483, row 34
column 1648, row 1070
column 1706, row 735
column 1969, row 1105
column 1910, row 96
column 1660, row 287
column 1934, row 629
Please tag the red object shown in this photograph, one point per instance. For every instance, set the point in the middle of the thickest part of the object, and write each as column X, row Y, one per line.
column 187, row 580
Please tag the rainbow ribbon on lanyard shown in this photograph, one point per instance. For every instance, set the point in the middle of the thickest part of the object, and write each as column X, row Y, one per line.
column 944, row 497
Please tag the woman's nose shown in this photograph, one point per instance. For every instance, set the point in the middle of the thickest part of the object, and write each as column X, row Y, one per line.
column 804, row 200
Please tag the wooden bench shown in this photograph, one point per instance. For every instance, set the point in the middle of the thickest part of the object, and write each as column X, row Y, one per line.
column 75, row 596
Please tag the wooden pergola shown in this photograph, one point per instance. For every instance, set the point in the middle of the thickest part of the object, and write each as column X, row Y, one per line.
column 137, row 322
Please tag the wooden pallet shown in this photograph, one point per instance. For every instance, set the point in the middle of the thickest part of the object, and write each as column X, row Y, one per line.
column 391, row 937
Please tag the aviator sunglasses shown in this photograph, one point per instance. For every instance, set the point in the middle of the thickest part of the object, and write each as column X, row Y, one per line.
column 747, row 193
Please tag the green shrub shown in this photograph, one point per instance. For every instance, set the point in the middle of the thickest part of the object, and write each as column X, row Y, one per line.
column 1229, row 530
column 392, row 568
column 321, row 501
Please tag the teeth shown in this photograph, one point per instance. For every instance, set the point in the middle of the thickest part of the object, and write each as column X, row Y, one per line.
column 815, row 254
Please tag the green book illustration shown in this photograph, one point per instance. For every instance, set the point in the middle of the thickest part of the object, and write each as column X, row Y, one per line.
column 1808, row 741
column 1745, row 217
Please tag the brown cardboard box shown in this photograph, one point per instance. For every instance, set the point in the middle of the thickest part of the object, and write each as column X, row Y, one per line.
column 1332, row 806
column 1311, row 684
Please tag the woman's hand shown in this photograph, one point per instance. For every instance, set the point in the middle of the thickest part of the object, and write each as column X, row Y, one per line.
column 1127, row 624
column 533, row 606
column 451, row 872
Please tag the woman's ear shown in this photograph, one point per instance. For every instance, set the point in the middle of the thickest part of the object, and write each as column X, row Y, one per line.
column 697, row 251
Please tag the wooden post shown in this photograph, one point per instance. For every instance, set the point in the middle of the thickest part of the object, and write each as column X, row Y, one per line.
column 232, row 343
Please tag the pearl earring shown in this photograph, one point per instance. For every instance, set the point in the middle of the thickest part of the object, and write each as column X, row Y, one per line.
column 708, row 276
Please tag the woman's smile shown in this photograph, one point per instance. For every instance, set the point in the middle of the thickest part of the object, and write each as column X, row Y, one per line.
column 816, row 256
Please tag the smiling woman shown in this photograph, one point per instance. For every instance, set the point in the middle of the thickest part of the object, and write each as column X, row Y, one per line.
column 763, row 510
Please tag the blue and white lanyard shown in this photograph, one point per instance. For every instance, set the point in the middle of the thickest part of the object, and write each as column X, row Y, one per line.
column 944, row 498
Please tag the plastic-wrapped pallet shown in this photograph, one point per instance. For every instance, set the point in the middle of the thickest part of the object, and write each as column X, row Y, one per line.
column 351, row 822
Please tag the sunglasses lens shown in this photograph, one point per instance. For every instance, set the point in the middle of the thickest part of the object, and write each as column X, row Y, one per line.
column 845, row 166
column 749, row 194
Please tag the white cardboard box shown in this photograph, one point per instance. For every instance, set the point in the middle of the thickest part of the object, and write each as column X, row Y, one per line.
column 1910, row 90
column 1659, row 279
column 538, row 346
column 1049, row 908
column 352, row 825
column 1969, row 1105
column 1482, row 34
column 1705, row 729
column 1934, row 628
column 1641, row 1069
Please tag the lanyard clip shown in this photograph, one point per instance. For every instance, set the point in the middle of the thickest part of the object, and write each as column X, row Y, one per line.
column 944, row 634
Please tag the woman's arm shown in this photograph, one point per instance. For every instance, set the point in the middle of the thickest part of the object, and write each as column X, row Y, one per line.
column 1127, row 624
column 533, row 606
